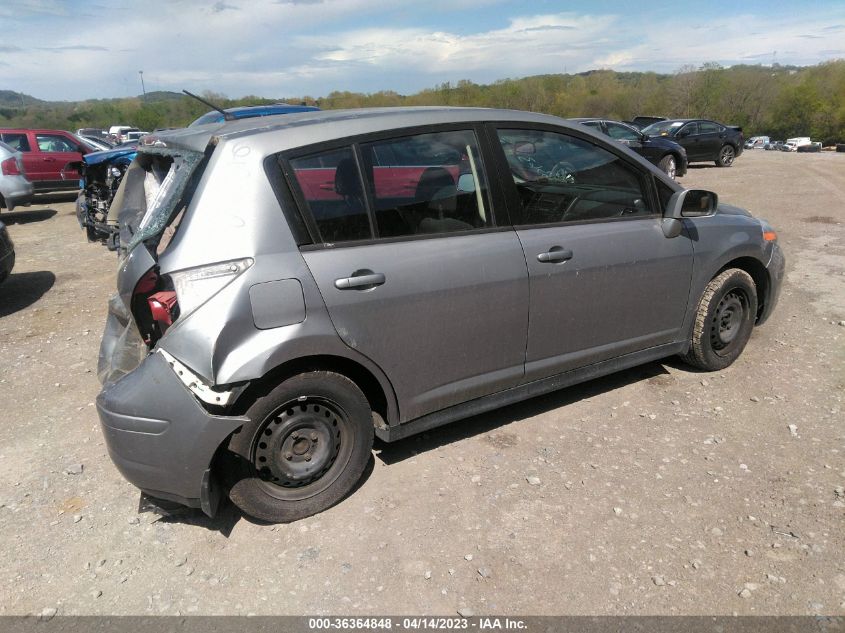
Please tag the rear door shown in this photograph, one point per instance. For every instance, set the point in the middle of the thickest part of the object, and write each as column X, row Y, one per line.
column 604, row 281
column 713, row 136
column 413, row 265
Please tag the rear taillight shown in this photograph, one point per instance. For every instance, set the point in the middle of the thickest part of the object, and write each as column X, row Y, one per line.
column 154, row 306
column 163, row 307
column 9, row 167
column 195, row 286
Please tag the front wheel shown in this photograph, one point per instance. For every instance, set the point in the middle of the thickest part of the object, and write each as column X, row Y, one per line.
column 668, row 165
column 726, row 156
column 723, row 321
column 304, row 449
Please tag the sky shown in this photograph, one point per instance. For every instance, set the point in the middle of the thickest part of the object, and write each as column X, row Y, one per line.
column 80, row 49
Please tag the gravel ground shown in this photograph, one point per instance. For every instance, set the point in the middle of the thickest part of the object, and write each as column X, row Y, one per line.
column 653, row 491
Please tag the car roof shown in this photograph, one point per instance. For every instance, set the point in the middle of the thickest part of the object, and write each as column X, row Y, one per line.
column 32, row 129
column 323, row 125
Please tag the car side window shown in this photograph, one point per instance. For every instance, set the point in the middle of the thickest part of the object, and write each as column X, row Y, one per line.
column 705, row 127
column 621, row 132
column 54, row 143
column 331, row 187
column 690, row 129
column 427, row 183
column 18, row 142
column 561, row 178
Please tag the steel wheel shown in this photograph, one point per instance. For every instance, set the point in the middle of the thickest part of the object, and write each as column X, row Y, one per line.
column 723, row 321
column 302, row 447
column 727, row 320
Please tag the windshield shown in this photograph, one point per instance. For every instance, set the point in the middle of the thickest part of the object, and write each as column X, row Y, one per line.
column 663, row 128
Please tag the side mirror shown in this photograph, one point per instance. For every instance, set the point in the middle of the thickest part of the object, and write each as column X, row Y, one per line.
column 689, row 203
column 466, row 183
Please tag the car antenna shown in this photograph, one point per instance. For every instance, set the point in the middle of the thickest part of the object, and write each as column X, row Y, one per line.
column 228, row 116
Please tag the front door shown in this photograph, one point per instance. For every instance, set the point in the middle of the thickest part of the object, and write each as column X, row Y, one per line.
column 417, row 277
column 604, row 280
column 54, row 153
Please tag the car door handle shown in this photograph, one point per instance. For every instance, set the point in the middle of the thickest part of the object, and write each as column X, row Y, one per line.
column 554, row 255
column 364, row 281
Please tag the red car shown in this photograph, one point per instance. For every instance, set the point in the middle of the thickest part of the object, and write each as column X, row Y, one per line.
column 47, row 155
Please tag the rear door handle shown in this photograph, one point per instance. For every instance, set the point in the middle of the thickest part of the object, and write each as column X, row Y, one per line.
column 554, row 255
column 360, row 282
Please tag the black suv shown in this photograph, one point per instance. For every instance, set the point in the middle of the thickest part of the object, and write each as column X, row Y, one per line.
column 668, row 155
column 704, row 140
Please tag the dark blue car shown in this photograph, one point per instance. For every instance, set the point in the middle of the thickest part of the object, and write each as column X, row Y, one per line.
column 245, row 112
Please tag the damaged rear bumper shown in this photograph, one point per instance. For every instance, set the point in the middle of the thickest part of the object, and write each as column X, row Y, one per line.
column 160, row 438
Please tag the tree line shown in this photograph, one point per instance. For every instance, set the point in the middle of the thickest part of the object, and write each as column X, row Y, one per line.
column 778, row 101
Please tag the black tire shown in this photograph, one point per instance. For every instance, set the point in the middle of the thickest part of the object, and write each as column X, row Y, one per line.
column 303, row 450
column 726, row 156
column 723, row 321
column 668, row 165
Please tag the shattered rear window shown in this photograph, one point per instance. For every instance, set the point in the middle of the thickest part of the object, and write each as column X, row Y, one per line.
column 169, row 172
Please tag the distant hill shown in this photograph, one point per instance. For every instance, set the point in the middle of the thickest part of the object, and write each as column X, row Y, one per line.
column 12, row 99
column 161, row 95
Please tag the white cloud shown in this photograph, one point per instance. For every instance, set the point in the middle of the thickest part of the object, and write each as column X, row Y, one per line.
column 300, row 47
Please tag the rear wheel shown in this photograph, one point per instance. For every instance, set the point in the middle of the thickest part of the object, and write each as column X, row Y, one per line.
column 723, row 321
column 305, row 447
column 668, row 165
column 726, row 156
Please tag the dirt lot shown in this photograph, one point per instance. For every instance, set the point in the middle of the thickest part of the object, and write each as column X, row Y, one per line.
column 661, row 490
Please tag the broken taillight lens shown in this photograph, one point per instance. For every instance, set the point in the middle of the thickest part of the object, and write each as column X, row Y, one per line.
column 162, row 306
column 9, row 167
column 154, row 306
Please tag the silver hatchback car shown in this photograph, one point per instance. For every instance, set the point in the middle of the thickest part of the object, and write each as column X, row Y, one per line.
column 292, row 286
column 15, row 188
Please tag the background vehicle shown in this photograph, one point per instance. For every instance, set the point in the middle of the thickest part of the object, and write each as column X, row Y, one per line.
column 133, row 135
column 704, row 140
column 100, row 174
column 118, row 133
column 95, row 143
column 792, row 144
column 93, row 132
column 15, row 188
column 668, row 155
column 641, row 122
column 47, row 156
column 7, row 253
column 280, row 304
column 773, row 145
column 245, row 112
column 756, row 142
